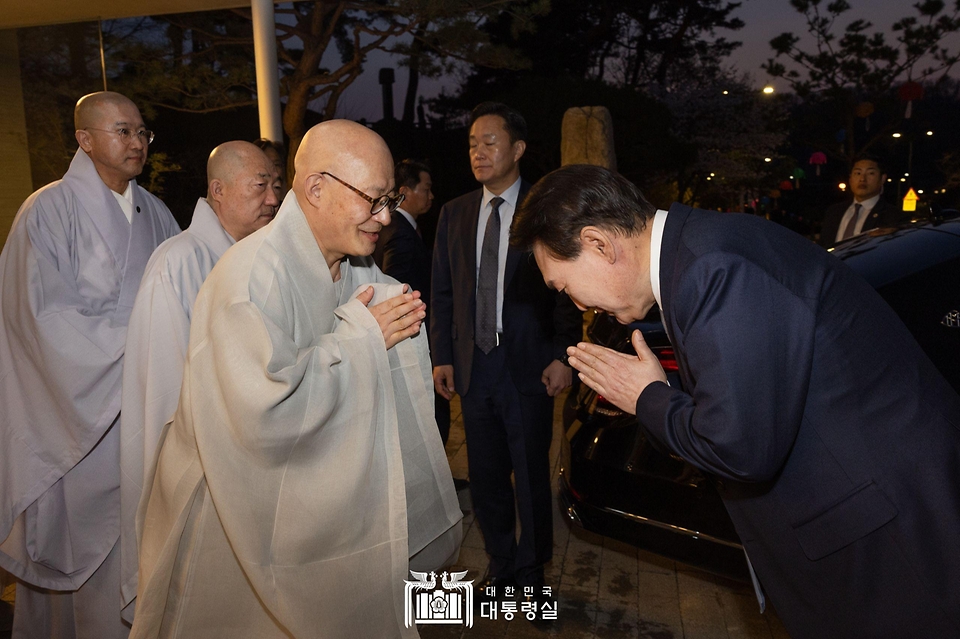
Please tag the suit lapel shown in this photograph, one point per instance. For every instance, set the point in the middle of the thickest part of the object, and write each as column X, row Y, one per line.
column 669, row 256
column 513, row 255
column 469, row 239
column 404, row 227
column 669, row 273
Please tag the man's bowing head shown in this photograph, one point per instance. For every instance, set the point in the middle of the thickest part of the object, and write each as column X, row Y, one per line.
column 111, row 132
column 344, row 184
column 240, row 188
column 589, row 231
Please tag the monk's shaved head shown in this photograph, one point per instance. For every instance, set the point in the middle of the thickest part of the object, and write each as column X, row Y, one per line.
column 90, row 108
column 342, row 220
column 230, row 159
column 339, row 146
column 240, row 188
column 111, row 132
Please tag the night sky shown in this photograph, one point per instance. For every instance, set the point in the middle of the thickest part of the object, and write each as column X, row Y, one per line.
column 764, row 20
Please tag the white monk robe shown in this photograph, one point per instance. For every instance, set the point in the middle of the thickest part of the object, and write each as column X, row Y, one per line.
column 153, row 364
column 69, row 274
column 279, row 502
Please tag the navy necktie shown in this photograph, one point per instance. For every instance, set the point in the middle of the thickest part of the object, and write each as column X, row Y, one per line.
column 485, row 331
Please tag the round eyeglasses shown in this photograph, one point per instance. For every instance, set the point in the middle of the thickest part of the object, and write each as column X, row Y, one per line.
column 126, row 135
column 389, row 202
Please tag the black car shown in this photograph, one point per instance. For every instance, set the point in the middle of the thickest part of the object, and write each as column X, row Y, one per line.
column 616, row 482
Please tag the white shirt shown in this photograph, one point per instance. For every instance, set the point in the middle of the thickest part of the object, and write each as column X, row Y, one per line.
column 410, row 218
column 507, row 209
column 656, row 242
column 125, row 201
column 865, row 207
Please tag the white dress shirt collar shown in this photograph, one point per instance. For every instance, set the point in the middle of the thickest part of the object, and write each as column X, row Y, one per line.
column 656, row 243
column 509, row 196
column 868, row 203
column 410, row 218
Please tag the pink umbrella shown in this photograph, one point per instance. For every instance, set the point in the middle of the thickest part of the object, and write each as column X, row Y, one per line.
column 817, row 159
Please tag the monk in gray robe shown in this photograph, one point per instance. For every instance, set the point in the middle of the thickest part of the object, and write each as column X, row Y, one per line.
column 69, row 274
column 240, row 200
column 303, row 473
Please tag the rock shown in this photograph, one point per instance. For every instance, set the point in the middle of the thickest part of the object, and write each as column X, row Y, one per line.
column 588, row 137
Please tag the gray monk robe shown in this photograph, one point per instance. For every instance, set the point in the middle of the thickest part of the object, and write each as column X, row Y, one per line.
column 153, row 364
column 303, row 465
column 68, row 277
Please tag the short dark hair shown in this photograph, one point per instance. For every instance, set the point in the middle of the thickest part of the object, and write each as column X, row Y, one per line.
column 514, row 123
column 870, row 157
column 407, row 173
column 264, row 143
column 570, row 198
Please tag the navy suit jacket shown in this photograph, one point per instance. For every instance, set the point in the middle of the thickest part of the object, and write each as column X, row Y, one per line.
column 837, row 441
column 401, row 254
column 883, row 215
column 538, row 323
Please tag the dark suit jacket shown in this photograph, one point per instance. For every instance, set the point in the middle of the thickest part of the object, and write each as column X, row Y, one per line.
column 883, row 215
column 836, row 438
column 401, row 254
column 538, row 323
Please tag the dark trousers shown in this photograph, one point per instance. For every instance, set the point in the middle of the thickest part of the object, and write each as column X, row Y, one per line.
column 507, row 431
column 441, row 410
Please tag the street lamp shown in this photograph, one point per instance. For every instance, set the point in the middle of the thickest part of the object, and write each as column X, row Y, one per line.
column 768, row 90
column 896, row 135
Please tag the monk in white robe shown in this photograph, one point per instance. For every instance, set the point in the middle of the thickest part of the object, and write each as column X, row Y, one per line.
column 69, row 274
column 240, row 199
column 303, row 468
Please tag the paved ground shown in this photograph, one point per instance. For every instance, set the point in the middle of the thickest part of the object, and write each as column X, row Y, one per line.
column 607, row 589
column 6, row 608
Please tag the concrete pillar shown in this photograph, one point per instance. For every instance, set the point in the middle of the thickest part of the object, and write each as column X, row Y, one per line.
column 268, row 73
column 15, row 180
column 588, row 137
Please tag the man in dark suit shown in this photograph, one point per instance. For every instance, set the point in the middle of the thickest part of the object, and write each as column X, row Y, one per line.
column 837, row 440
column 499, row 337
column 402, row 254
column 866, row 210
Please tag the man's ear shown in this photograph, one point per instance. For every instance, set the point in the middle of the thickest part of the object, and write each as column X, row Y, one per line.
column 599, row 242
column 84, row 140
column 518, row 148
column 312, row 186
column 215, row 189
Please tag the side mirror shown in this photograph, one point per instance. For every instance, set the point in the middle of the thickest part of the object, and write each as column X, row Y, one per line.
column 939, row 213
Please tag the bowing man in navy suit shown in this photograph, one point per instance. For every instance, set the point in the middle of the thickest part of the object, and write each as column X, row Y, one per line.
column 837, row 440
column 402, row 254
column 499, row 339
column 866, row 210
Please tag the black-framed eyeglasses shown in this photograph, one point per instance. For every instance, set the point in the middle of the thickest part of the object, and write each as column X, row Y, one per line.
column 126, row 134
column 389, row 202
